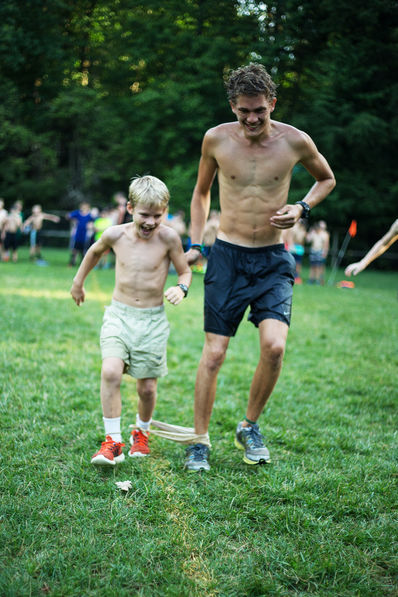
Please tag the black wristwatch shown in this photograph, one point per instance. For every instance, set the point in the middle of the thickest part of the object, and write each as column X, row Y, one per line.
column 306, row 209
column 184, row 288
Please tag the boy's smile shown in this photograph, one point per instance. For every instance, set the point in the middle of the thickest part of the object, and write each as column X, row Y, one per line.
column 146, row 219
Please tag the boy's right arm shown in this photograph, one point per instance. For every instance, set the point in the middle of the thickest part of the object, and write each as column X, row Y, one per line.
column 90, row 260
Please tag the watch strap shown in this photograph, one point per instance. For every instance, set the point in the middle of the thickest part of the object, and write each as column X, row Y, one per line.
column 306, row 208
column 184, row 288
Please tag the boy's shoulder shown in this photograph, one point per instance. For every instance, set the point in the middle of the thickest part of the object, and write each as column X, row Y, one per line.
column 114, row 233
column 168, row 235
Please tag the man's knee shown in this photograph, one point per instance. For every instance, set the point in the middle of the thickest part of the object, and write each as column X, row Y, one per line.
column 214, row 357
column 272, row 350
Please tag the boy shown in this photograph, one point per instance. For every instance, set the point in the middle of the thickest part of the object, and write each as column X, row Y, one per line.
column 319, row 238
column 83, row 217
column 35, row 224
column 135, row 328
column 12, row 225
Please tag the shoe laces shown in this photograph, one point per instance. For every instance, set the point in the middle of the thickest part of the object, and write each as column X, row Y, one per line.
column 198, row 452
column 140, row 437
column 111, row 445
column 254, row 437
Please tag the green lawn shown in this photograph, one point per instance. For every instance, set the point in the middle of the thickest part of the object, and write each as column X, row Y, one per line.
column 320, row 520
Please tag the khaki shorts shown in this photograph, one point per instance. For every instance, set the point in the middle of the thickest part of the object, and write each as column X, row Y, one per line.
column 138, row 337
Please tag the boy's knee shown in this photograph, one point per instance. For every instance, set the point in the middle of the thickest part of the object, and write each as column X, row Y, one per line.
column 110, row 375
column 147, row 389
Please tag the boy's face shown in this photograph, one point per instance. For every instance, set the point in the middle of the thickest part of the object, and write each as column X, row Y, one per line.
column 146, row 219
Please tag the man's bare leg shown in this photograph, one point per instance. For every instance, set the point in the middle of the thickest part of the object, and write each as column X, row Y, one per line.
column 213, row 356
column 273, row 335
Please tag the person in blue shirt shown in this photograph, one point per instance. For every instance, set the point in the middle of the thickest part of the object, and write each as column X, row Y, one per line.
column 83, row 217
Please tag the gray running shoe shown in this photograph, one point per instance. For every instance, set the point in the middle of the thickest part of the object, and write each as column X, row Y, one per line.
column 196, row 458
column 250, row 440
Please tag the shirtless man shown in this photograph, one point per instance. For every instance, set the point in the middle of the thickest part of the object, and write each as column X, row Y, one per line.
column 319, row 238
column 378, row 249
column 248, row 265
column 35, row 223
column 135, row 328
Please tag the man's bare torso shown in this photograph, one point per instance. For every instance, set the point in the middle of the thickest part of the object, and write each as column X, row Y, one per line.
column 254, row 181
column 141, row 265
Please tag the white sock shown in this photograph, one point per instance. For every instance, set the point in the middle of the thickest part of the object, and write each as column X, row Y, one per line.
column 143, row 425
column 112, row 428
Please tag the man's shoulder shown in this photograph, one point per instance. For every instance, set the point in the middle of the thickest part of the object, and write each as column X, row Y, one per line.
column 293, row 134
column 221, row 130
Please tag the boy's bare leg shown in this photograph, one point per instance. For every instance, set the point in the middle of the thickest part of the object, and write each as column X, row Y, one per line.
column 146, row 389
column 111, row 452
column 111, row 377
column 213, row 355
column 273, row 335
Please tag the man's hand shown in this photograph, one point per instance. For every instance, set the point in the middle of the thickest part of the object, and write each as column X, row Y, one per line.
column 287, row 216
column 174, row 295
column 78, row 293
column 192, row 256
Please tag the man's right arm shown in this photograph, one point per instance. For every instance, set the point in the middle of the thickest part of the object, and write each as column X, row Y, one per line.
column 200, row 204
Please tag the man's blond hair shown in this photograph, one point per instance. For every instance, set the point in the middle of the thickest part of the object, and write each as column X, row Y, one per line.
column 149, row 191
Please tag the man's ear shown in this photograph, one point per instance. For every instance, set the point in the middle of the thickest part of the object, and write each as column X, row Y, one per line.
column 272, row 104
column 233, row 106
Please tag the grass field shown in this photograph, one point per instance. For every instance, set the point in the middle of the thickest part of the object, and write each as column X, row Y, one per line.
column 320, row 520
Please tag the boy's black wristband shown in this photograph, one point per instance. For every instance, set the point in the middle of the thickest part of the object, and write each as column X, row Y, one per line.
column 197, row 246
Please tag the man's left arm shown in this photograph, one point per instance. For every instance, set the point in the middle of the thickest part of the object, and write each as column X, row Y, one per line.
column 316, row 164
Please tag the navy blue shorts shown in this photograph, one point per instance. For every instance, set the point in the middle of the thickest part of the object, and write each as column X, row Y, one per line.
column 237, row 277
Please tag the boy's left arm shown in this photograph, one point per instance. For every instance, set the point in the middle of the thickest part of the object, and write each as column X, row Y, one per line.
column 175, row 294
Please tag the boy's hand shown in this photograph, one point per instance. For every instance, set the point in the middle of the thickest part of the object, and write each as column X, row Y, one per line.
column 78, row 293
column 192, row 255
column 174, row 295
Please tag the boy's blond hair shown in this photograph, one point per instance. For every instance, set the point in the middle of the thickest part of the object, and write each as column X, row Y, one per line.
column 149, row 191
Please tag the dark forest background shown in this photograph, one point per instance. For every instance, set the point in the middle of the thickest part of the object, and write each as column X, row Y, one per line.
column 94, row 92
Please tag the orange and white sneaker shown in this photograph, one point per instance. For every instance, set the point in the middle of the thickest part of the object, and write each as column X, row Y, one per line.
column 109, row 454
column 139, row 443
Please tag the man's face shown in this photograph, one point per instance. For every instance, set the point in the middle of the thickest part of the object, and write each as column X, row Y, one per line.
column 146, row 219
column 253, row 113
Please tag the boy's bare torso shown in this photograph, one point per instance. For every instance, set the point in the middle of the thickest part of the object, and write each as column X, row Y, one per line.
column 141, row 265
column 319, row 240
column 36, row 221
column 254, row 180
column 13, row 222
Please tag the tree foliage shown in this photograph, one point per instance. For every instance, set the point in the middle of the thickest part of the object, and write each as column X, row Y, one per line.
column 97, row 91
